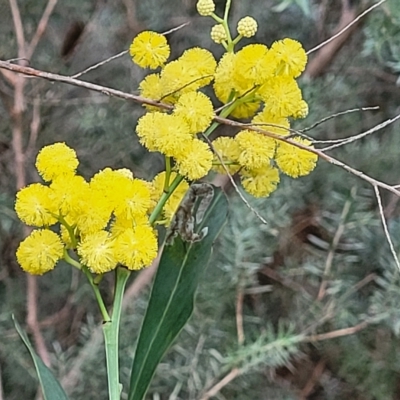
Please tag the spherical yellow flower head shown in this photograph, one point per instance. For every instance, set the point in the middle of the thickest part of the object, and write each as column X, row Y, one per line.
column 256, row 149
column 196, row 109
column 201, row 64
column 229, row 150
column 39, row 252
column 120, row 225
column 149, row 50
column 282, row 96
column 252, row 66
column 133, row 200
column 97, row 252
column 93, row 212
column 289, row 56
column 56, row 160
column 147, row 127
column 195, row 161
column 193, row 70
column 108, row 182
column 35, row 207
column 205, row 7
column 163, row 132
column 260, row 182
column 247, row 27
column 174, row 200
column 271, row 123
column 218, row 34
column 67, row 194
column 237, row 76
column 223, row 87
column 136, row 248
column 151, row 87
column 172, row 138
column 294, row 161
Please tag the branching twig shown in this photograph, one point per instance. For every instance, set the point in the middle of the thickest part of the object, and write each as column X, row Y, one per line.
column 233, row 374
column 347, row 27
column 337, row 115
column 239, row 315
column 335, row 334
column 247, row 204
column 385, row 227
column 122, row 53
column 42, row 25
column 142, row 100
column 342, row 142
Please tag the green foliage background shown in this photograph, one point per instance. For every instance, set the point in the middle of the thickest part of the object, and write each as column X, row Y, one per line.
column 303, row 215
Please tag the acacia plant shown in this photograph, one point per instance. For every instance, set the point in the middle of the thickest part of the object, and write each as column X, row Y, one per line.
column 117, row 223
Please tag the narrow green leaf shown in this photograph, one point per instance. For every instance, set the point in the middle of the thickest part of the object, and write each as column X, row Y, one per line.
column 172, row 297
column 51, row 388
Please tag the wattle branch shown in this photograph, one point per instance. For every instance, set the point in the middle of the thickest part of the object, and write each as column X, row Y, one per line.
column 32, row 72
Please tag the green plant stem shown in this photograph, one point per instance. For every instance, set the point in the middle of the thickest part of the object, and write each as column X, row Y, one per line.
column 163, row 199
column 97, row 294
column 111, row 333
column 168, row 169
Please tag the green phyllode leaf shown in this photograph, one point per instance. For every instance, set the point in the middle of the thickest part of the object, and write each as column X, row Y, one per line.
column 51, row 388
column 172, row 298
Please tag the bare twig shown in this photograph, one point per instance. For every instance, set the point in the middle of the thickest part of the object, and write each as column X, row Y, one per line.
column 335, row 334
column 17, row 115
column 35, row 126
column 42, row 25
column 247, row 204
column 239, row 315
column 385, row 227
column 99, row 64
column 347, row 27
column 335, row 242
column 19, row 29
column 313, row 380
column 142, row 100
column 337, row 115
column 342, row 142
column 233, row 374
column 122, row 53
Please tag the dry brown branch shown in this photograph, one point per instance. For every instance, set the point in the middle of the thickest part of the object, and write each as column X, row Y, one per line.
column 142, row 100
column 319, row 63
column 362, row 15
column 233, row 374
column 133, row 22
column 342, row 142
column 17, row 117
column 42, row 25
column 314, row 379
column 335, row 334
column 19, row 28
column 239, row 315
column 385, row 227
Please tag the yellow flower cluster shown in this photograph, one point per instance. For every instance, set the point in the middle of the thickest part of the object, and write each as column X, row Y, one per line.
column 105, row 220
column 256, row 83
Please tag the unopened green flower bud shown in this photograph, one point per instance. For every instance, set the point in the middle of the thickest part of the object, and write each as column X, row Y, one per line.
column 205, row 7
column 218, row 33
column 247, row 27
